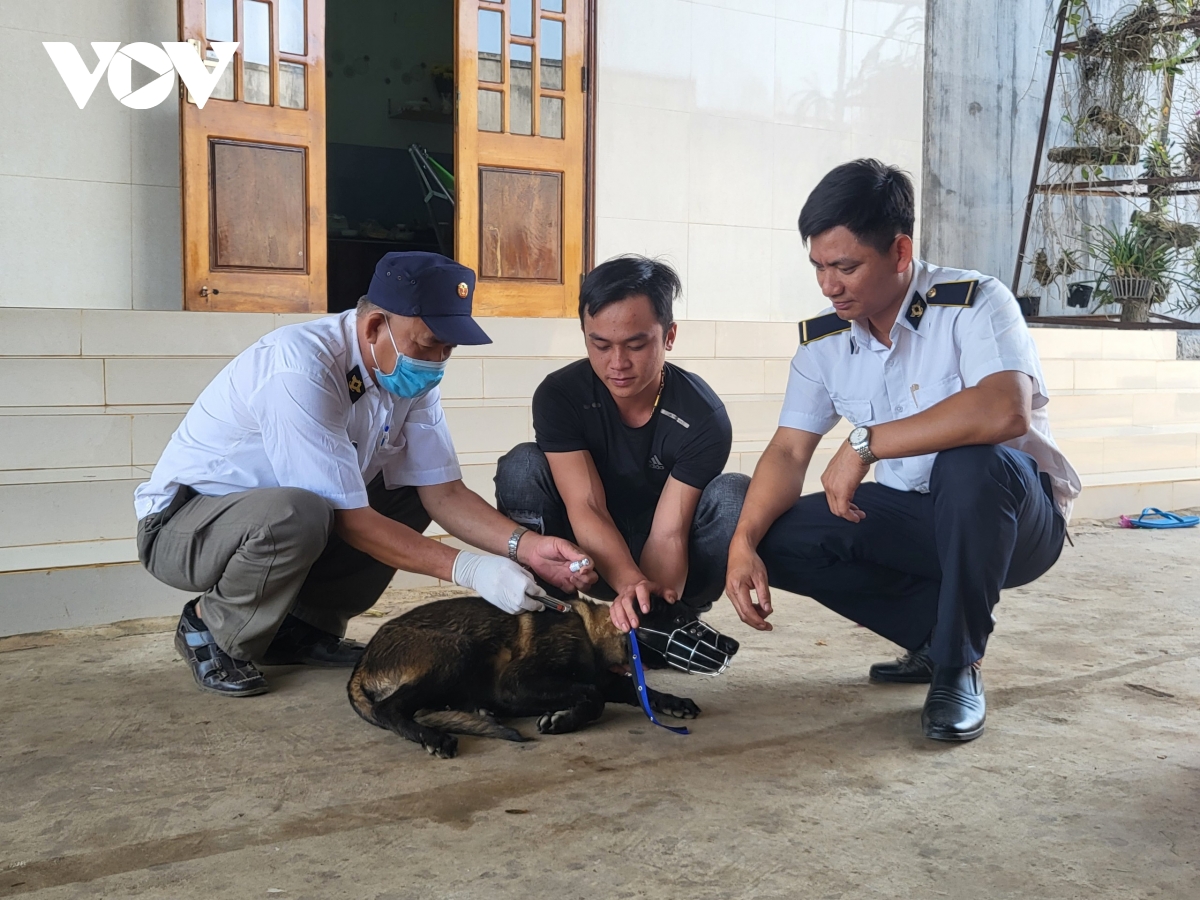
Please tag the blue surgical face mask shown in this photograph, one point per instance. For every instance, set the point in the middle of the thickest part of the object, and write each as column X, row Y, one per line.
column 411, row 378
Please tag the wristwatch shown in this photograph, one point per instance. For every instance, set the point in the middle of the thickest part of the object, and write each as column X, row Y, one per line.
column 513, row 540
column 860, row 440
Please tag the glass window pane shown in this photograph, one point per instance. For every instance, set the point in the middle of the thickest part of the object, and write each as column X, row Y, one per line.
column 291, row 28
column 224, row 88
column 551, row 47
column 491, row 29
column 218, row 20
column 256, row 53
column 552, row 5
column 257, row 43
column 520, row 89
column 522, row 18
column 490, row 103
column 550, row 117
column 291, row 85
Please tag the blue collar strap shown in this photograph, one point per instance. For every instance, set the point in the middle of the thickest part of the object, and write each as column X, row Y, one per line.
column 643, row 692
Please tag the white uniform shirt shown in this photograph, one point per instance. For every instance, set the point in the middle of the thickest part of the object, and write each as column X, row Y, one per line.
column 934, row 353
column 282, row 414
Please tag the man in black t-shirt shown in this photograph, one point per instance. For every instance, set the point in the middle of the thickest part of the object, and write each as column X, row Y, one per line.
column 629, row 452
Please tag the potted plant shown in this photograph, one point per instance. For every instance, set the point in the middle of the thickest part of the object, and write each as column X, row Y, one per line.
column 1135, row 269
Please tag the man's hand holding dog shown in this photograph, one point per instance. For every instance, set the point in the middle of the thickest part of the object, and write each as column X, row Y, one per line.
column 623, row 611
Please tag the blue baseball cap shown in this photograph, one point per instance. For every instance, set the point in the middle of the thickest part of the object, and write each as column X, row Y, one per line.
column 433, row 287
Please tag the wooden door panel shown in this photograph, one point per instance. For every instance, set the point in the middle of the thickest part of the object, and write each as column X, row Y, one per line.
column 259, row 210
column 520, row 153
column 520, row 225
column 254, row 162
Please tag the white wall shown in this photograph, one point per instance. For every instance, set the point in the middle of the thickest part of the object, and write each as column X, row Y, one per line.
column 89, row 199
column 717, row 117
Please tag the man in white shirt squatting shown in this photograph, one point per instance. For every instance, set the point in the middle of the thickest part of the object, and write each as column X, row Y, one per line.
column 938, row 374
column 306, row 472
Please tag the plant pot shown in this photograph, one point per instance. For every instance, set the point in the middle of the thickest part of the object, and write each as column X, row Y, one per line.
column 1079, row 295
column 1135, row 310
column 1131, row 288
column 1029, row 305
column 1120, row 155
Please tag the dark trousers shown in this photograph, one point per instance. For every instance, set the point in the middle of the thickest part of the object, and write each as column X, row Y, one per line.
column 258, row 555
column 925, row 566
column 526, row 493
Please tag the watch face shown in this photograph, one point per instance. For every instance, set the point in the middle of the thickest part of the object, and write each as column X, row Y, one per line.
column 858, row 435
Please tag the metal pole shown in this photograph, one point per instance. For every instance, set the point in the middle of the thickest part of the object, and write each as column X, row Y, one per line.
column 1041, row 140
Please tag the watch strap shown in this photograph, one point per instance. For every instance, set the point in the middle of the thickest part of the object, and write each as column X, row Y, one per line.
column 513, row 540
column 863, row 449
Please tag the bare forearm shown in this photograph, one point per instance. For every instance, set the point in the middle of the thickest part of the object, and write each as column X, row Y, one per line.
column 394, row 544
column 776, row 486
column 467, row 516
column 665, row 561
column 972, row 416
column 597, row 535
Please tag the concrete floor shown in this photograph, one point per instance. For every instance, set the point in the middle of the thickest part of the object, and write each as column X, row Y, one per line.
column 800, row 779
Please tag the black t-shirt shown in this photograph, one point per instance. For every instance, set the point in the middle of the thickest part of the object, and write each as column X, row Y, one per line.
column 688, row 437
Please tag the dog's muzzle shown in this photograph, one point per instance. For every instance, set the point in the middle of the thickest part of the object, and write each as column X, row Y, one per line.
column 696, row 647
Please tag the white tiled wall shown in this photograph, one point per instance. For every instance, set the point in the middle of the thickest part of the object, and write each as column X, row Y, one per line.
column 89, row 399
column 89, row 199
column 88, row 402
column 717, row 117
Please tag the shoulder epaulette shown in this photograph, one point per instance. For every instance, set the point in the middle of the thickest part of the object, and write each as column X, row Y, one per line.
column 952, row 293
column 822, row 326
column 355, row 385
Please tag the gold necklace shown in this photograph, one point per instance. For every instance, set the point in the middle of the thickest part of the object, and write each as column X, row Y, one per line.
column 662, row 380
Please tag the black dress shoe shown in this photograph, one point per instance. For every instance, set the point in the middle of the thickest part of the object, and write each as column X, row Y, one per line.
column 914, row 667
column 214, row 669
column 955, row 707
column 297, row 643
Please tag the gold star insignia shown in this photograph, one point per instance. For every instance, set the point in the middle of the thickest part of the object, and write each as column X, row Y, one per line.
column 354, row 384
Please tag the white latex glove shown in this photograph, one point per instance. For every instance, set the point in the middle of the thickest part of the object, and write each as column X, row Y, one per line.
column 499, row 581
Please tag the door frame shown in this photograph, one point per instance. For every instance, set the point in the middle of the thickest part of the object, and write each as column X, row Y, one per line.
column 590, row 105
column 589, row 144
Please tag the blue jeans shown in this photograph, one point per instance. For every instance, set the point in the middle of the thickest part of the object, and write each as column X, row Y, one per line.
column 526, row 493
column 925, row 566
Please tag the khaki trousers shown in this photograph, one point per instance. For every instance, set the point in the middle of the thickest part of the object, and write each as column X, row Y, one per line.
column 258, row 555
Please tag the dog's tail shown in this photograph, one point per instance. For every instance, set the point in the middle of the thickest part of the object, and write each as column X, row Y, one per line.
column 455, row 721
column 361, row 698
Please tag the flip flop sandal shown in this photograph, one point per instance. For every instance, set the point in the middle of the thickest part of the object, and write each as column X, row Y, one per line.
column 1152, row 517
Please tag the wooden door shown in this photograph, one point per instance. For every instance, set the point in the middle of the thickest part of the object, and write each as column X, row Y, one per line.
column 254, row 160
column 520, row 153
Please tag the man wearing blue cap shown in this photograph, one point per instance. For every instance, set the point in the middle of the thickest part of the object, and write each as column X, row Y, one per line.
column 305, row 473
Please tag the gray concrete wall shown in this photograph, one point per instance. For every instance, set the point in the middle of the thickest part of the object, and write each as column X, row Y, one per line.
column 985, row 79
column 89, row 199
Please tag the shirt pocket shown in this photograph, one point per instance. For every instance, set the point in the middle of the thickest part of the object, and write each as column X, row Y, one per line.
column 927, row 395
column 856, row 412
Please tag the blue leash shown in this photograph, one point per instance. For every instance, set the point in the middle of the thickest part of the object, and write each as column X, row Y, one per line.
column 639, row 675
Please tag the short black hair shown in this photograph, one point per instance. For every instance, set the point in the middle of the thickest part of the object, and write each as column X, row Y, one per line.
column 628, row 276
column 873, row 200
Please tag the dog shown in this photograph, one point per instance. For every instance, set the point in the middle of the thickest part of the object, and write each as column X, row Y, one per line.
column 453, row 666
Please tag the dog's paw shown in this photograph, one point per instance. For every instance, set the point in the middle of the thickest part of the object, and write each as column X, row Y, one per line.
column 444, row 746
column 676, row 707
column 559, row 722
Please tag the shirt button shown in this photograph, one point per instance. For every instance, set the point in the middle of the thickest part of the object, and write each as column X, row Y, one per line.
column 899, row 409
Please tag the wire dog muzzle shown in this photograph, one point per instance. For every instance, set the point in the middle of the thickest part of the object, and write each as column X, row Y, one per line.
column 695, row 648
